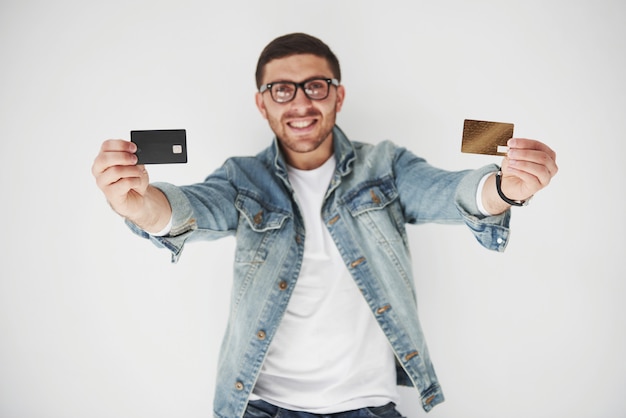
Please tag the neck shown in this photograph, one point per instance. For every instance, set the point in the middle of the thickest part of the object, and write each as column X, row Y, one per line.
column 309, row 160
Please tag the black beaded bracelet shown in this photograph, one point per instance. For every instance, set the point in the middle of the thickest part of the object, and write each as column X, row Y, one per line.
column 503, row 197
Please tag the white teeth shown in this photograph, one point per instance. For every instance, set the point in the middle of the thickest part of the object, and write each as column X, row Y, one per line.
column 301, row 124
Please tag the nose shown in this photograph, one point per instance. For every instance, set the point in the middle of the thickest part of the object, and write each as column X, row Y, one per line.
column 301, row 99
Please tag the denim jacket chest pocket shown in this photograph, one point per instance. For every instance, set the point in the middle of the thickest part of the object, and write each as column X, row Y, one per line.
column 259, row 225
column 375, row 205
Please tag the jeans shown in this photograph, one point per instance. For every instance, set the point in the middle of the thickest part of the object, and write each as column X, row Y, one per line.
column 262, row 409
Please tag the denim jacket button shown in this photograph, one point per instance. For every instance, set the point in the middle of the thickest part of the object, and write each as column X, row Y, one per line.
column 383, row 309
column 375, row 198
column 282, row 285
column 239, row 386
column 260, row 335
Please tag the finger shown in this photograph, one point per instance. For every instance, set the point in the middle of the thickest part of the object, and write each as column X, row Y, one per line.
column 529, row 172
column 531, row 144
column 120, row 190
column 535, row 156
column 527, row 178
column 117, row 173
column 118, row 145
column 110, row 157
column 142, row 169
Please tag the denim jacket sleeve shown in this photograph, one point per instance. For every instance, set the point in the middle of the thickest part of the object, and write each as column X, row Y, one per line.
column 429, row 194
column 202, row 211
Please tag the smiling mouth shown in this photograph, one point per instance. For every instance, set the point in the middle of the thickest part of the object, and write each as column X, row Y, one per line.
column 302, row 124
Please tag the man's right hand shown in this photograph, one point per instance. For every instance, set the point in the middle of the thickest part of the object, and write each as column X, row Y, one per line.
column 126, row 186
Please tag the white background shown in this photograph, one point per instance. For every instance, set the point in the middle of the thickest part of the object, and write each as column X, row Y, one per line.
column 95, row 322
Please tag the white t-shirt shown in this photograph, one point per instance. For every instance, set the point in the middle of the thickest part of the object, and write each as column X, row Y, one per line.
column 329, row 354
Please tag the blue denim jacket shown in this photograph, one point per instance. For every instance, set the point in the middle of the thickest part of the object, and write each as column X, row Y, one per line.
column 376, row 190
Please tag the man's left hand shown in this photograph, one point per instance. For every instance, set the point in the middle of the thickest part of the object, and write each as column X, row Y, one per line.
column 528, row 167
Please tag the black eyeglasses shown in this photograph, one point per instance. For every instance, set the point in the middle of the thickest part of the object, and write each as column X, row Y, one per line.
column 285, row 91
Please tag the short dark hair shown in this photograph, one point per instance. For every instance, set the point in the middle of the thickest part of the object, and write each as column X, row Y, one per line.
column 295, row 44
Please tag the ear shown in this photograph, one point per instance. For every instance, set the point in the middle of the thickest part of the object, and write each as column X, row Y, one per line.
column 341, row 94
column 260, row 104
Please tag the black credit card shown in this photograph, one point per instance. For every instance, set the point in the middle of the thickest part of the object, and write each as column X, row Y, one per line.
column 165, row 146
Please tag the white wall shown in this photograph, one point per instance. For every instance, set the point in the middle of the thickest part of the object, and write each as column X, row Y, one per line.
column 95, row 322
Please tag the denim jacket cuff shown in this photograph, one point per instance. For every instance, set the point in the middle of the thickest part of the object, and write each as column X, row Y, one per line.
column 183, row 222
column 492, row 232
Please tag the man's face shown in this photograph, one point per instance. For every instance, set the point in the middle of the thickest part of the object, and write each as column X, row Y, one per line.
column 303, row 126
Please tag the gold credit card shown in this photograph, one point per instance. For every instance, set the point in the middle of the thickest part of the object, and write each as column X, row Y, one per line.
column 482, row 137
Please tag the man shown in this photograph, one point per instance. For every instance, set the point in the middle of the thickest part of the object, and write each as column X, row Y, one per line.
column 323, row 318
